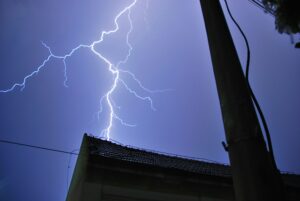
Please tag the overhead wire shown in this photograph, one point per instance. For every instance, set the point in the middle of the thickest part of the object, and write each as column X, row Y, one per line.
column 70, row 153
column 75, row 151
column 255, row 101
column 260, row 5
column 38, row 147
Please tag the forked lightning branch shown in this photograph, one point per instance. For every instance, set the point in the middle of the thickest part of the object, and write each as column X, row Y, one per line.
column 114, row 69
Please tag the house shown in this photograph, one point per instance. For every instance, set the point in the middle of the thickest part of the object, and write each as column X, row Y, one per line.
column 107, row 171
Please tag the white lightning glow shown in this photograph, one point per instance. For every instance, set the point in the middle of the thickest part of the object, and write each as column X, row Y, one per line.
column 113, row 69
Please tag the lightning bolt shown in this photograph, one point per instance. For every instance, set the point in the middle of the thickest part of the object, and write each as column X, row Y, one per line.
column 115, row 71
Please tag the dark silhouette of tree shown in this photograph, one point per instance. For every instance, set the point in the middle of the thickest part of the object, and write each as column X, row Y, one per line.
column 287, row 14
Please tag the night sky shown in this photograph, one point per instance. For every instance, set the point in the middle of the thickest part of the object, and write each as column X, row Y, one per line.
column 170, row 51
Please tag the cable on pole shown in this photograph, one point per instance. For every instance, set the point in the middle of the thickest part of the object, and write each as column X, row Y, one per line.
column 254, row 99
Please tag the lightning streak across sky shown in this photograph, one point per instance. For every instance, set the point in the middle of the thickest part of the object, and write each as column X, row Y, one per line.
column 115, row 71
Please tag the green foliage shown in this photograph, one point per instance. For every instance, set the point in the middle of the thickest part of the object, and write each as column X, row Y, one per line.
column 287, row 13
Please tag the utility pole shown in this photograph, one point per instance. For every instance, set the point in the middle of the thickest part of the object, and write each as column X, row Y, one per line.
column 254, row 176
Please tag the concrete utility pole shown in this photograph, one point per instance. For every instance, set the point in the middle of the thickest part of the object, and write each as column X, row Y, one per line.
column 254, row 176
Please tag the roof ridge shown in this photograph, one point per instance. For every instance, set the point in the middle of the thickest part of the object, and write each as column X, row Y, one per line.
column 197, row 159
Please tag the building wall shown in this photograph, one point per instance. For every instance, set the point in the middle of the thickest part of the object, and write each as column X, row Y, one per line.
column 101, row 192
column 99, row 178
column 108, row 178
column 121, row 183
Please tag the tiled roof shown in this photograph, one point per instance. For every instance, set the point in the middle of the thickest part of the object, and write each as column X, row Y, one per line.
column 120, row 152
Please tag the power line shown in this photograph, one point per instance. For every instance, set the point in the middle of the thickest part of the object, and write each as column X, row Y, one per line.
column 260, row 5
column 38, row 147
column 70, row 153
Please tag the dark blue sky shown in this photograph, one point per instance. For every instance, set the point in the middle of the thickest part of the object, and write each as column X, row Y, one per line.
column 170, row 51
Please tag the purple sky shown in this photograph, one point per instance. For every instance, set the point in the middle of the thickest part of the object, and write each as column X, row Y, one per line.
column 170, row 51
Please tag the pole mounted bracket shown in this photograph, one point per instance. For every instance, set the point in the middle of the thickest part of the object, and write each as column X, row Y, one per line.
column 225, row 146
